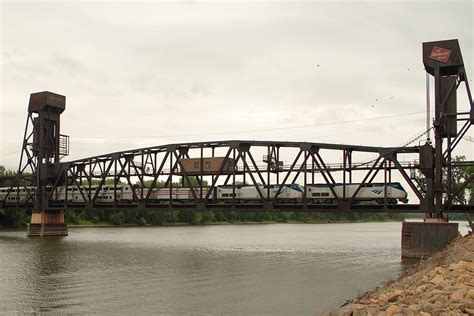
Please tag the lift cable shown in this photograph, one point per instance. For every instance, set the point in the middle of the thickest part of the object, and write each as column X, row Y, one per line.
column 9, row 154
column 252, row 131
column 405, row 144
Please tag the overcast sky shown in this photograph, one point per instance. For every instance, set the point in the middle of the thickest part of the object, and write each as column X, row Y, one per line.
column 195, row 71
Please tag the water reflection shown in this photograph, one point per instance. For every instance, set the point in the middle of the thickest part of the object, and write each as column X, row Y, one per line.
column 255, row 269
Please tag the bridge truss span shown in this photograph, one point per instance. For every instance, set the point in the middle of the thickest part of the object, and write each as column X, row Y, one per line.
column 264, row 168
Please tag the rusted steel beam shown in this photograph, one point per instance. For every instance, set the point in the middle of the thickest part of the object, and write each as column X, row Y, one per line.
column 256, row 167
column 102, row 181
column 277, row 144
column 157, row 174
column 462, row 187
column 124, row 165
column 302, row 166
column 365, row 178
column 246, row 166
column 219, row 172
column 286, row 176
column 234, row 171
column 326, row 178
column 325, row 168
column 457, row 139
column 408, row 180
column 191, row 187
column 78, row 185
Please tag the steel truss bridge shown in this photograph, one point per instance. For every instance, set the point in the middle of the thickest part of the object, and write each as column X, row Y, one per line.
column 256, row 163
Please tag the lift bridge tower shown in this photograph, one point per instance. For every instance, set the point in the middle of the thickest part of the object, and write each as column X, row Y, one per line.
column 443, row 60
column 43, row 147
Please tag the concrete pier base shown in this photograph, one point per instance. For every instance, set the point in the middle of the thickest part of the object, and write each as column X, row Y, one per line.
column 47, row 224
column 423, row 239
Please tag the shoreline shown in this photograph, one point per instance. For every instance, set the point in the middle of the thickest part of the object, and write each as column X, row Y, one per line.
column 443, row 284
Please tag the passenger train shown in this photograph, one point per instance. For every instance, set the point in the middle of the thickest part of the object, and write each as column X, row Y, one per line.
column 322, row 193
column 290, row 193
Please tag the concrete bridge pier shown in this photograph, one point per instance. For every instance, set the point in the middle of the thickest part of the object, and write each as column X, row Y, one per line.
column 47, row 223
column 423, row 239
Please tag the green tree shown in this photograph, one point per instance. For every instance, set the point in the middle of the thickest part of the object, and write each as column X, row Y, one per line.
column 116, row 218
column 458, row 176
column 208, row 217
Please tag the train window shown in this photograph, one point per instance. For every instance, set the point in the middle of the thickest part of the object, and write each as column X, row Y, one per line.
column 316, row 194
column 324, row 194
column 196, row 165
column 208, row 165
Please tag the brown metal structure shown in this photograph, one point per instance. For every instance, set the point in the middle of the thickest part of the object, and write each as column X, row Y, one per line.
column 43, row 147
column 307, row 164
column 207, row 165
column 443, row 60
column 235, row 162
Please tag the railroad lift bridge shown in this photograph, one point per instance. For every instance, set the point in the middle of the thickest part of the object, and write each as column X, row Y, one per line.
column 203, row 167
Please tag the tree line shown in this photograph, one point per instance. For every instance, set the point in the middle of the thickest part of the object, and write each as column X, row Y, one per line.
column 18, row 218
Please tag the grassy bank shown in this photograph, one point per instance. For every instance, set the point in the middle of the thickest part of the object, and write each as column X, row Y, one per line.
column 19, row 218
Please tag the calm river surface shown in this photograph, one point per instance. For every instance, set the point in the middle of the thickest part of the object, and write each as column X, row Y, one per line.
column 287, row 269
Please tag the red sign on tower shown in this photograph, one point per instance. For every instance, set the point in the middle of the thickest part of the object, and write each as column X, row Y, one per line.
column 440, row 54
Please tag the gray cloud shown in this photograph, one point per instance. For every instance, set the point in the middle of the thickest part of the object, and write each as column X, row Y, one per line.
column 160, row 68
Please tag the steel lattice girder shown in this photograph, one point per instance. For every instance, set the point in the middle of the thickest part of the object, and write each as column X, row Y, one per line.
column 167, row 162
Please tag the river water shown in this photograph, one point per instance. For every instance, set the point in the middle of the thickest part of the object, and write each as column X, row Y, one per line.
column 277, row 269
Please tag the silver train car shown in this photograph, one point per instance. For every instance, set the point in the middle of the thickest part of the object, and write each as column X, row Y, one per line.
column 72, row 194
column 290, row 193
column 322, row 194
column 105, row 195
column 20, row 195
